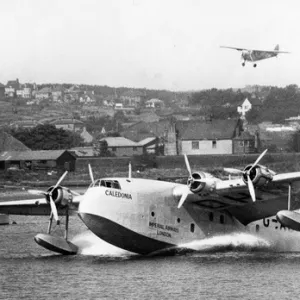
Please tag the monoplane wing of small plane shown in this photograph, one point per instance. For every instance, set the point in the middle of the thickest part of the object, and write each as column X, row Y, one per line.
column 234, row 48
column 255, row 50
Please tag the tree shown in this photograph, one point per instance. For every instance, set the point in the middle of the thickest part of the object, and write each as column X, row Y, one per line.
column 101, row 149
column 47, row 137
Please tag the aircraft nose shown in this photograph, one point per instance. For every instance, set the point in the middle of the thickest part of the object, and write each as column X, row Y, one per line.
column 87, row 203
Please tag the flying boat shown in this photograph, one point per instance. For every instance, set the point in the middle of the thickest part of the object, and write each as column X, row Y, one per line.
column 148, row 216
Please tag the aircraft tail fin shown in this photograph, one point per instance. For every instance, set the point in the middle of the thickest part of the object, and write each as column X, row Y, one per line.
column 276, row 48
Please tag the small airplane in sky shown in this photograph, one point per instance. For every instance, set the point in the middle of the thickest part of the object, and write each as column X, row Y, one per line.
column 256, row 55
column 150, row 217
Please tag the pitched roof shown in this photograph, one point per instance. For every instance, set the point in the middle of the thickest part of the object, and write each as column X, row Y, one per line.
column 13, row 83
column 44, row 90
column 216, row 129
column 154, row 100
column 119, row 142
column 67, row 121
column 31, row 155
column 142, row 130
column 147, row 141
column 26, row 123
column 9, row 143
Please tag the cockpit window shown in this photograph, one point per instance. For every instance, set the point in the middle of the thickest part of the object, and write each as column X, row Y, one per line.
column 114, row 184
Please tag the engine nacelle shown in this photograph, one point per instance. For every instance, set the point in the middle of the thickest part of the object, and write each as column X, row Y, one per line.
column 259, row 175
column 61, row 196
column 197, row 186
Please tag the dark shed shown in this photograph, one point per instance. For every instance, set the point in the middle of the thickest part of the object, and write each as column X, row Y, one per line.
column 38, row 160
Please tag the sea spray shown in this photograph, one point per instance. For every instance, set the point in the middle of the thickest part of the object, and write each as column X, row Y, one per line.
column 90, row 244
column 234, row 241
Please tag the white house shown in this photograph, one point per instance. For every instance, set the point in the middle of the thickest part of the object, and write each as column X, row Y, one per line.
column 247, row 105
column 214, row 137
column 244, row 107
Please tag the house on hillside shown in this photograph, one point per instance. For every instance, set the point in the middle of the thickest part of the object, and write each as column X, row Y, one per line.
column 25, row 124
column 11, row 88
column 88, row 98
column 247, row 105
column 25, row 91
column 57, row 94
column 43, row 93
column 69, row 124
column 200, row 138
column 154, row 103
column 142, row 130
column 38, row 160
column 120, row 146
column 72, row 94
column 74, row 125
column 131, row 98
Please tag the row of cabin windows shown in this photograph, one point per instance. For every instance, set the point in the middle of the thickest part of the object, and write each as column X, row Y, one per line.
column 192, row 227
column 196, row 145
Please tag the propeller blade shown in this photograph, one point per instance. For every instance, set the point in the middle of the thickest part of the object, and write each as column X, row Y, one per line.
column 91, row 173
column 251, row 188
column 129, row 170
column 257, row 161
column 36, row 192
column 187, row 165
column 233, row 171
column 59, row 181
column 182, row 199
column 54, row 209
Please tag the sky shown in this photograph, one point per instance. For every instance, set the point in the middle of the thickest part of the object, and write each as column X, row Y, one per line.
column 154, row 44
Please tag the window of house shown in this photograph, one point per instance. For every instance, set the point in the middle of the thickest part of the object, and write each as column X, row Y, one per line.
column 114, row 149
column 134, row 148
column 214, row 144
column 195, row 145
column 242, row 143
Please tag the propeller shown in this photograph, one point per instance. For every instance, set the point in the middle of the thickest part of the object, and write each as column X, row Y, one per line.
column 247, row 173
column 49, row 198
column 184, row 193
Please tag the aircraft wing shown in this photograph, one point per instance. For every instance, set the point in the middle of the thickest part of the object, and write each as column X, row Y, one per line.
column 234, row 196
column 270, row 52
column 235, row 48
column 35, row 207
column 254, row 51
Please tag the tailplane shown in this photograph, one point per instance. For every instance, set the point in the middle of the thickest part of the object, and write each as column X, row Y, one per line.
column 276, row 48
